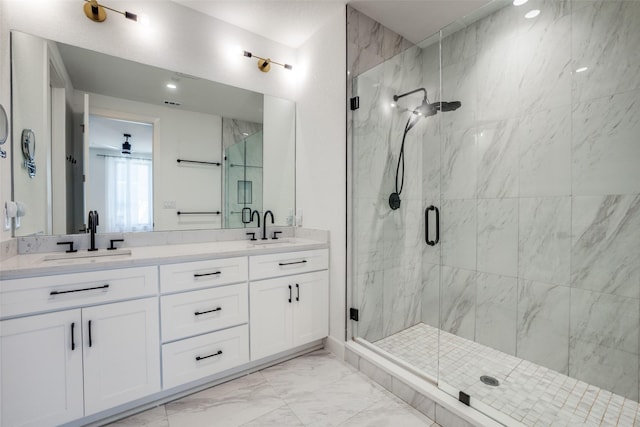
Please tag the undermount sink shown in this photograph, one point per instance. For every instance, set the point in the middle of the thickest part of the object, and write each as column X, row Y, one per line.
column 268, row 242
column 86, row 254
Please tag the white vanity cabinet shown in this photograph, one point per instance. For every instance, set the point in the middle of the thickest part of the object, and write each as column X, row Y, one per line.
column 41, row 375
column 60, row 366
column 291, row 310
column 204, row 327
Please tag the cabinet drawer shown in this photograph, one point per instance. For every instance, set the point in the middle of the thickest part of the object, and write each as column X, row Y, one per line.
column 38, row 294
column 197, row 312
column 202, row 274
column 274, row 265
column 205, row 355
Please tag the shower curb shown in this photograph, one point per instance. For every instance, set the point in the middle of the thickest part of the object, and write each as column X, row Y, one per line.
column 421, row 394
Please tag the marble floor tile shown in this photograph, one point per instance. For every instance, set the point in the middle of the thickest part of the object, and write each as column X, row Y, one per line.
column 336, row 403
column 281, row 417
column 229, row 404
column 156, row 417
column 306, row 374
column 389, row 412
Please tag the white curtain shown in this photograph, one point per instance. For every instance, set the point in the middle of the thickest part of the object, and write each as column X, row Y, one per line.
column 129, row 194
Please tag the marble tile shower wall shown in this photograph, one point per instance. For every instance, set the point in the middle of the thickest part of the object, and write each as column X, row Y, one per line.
column 540, row 186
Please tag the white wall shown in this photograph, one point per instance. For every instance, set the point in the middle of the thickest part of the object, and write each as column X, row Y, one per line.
column 321, row 151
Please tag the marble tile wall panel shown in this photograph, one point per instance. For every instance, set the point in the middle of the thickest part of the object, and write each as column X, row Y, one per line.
column 459, row 83
column 545, row 153
column 369, row 298
column 233, row 131
column 496, row 312
column 605, row 145
column 460, row 45
column 458, row 302
column 497, row 160
column 498, row 236
column 543, row 324
column 431, row 148
column 402, row 235
column 459, row 164
column 545, row 239
column 606, row 244
column 393, row 314
column 604, row 341
column 370, row 43
column 605, row 38
column 458, row 233
column 544, row 49
column 430, row 294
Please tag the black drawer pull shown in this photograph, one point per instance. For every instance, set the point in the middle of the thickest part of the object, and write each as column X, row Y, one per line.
column 304, row 261
column 90, row 340
column 79, row 290
column 207, row 274
column 198, row 313
column 298, row 289
column 211, row 355
column 289, row 294
column 73, row 337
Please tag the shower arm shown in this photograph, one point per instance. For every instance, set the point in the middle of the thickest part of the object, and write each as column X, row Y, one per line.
column 396, row 97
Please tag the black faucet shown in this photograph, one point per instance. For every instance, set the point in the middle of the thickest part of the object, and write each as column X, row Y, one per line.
column 92, row 225
column 264, row 224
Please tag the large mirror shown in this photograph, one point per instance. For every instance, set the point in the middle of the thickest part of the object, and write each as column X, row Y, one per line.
column 148, row 148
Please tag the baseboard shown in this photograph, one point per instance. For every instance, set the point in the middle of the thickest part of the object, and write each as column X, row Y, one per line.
column 335, row 346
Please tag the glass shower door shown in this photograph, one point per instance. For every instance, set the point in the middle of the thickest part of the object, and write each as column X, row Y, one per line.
column 395, row 273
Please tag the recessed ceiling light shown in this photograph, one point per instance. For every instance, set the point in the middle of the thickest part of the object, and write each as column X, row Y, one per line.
column 519, row 2
column 581, row 69
column 532, row 14
column 171, row 86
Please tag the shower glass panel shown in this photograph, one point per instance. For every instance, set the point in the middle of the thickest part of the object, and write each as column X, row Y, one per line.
column 390, row 254
column 529, row 303
column 243, row 180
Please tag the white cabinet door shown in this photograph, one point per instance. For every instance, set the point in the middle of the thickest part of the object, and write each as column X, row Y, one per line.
column 41, row 369
column 311, row 307
column 270, row 316
column 121, row 353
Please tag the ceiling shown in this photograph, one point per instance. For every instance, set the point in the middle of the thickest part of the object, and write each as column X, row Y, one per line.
column 108, row 134
column 293, row 22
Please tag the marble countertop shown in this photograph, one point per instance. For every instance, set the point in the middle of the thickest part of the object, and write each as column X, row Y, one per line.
column 39, row 264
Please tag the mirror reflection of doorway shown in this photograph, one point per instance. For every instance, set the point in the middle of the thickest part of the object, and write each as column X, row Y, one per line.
column 121, row 184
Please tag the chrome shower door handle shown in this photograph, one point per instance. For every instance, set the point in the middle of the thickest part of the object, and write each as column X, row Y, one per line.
column 426, row 225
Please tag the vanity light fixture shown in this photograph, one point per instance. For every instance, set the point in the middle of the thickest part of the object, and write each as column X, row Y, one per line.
column 126, row 145
column 264, row 64
column 96, row 12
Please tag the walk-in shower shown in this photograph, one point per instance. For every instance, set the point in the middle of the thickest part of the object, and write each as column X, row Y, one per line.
column 529, row 304
column 425, row 109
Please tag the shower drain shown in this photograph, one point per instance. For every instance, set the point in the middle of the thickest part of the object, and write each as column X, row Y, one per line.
column 489, row 381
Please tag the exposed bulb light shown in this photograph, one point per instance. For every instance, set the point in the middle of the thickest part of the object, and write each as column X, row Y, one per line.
column 532, row 14
column 582, row 69
column 171, row 86
column 97, row 13
column 519, row 2
column 144, row 20
column 393, row 105
column 264, row 64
